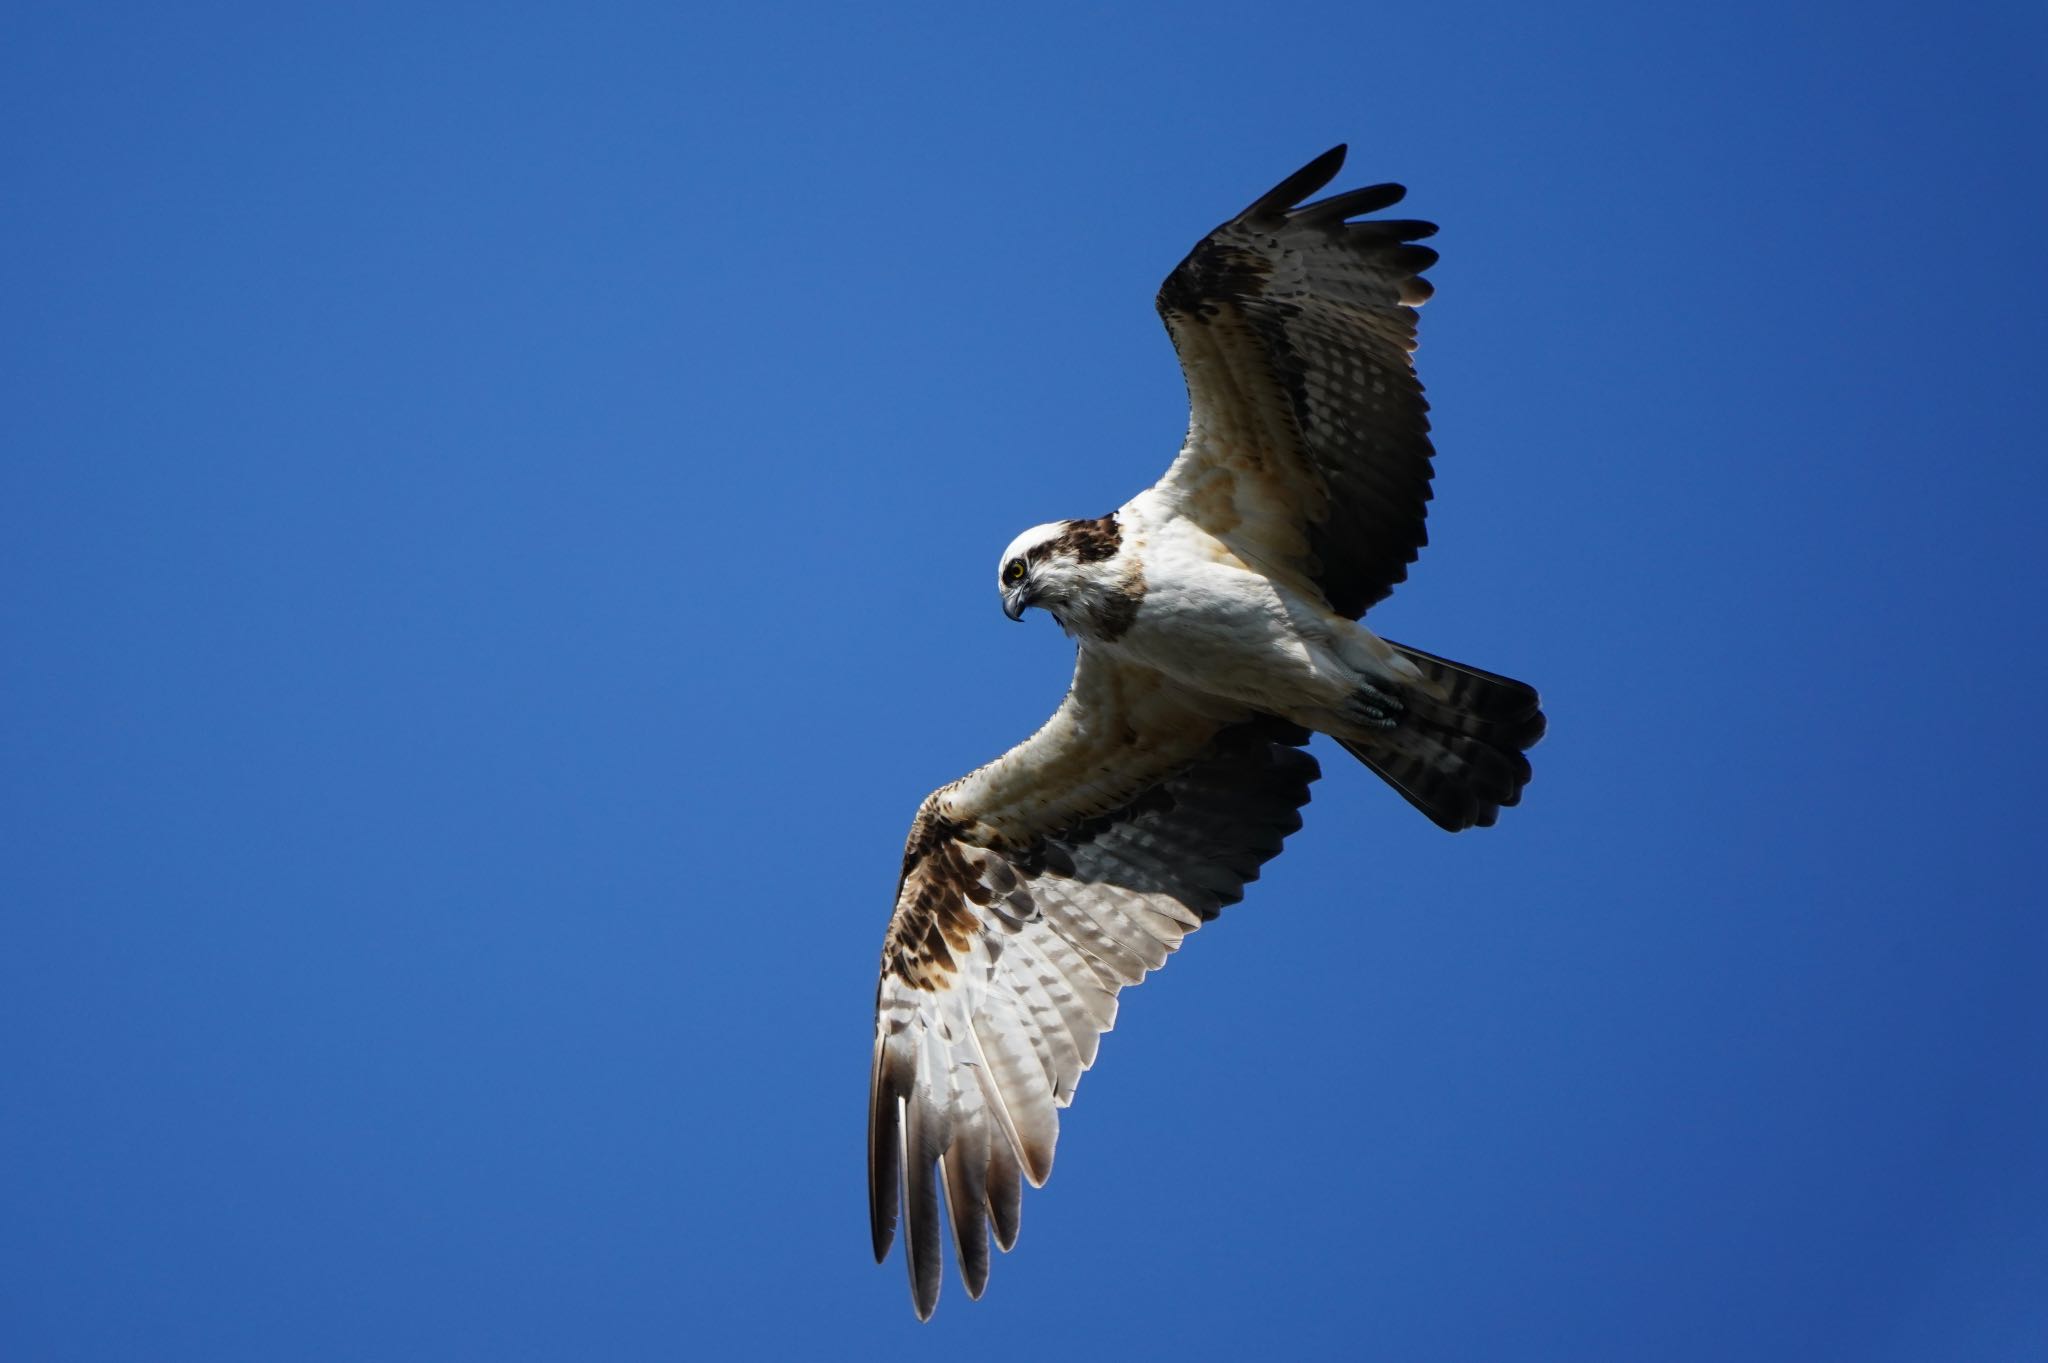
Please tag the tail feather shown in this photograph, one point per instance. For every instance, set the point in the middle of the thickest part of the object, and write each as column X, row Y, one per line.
column 1456, row 752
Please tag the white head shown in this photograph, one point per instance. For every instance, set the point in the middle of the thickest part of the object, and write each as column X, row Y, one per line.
column 1061, row 566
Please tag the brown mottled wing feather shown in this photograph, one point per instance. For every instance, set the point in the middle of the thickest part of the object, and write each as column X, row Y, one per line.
column 1308, row 441
column 1033, row 890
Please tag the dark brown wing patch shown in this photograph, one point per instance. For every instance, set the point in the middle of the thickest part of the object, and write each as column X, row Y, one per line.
column 1316, row 314
column 1199, row 837
column 936, row 899
column 1214, row 272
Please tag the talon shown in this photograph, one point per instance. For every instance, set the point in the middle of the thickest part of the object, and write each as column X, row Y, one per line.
column 1375, row 708
column 1384, row 700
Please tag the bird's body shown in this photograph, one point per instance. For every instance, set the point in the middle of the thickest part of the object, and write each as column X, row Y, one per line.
column 1178, row 600
column 1215, row 617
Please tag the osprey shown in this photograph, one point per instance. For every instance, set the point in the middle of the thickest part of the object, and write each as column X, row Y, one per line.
column 1215, row 616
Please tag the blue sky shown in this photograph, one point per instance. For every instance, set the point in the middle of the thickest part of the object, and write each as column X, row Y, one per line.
column 498, row 514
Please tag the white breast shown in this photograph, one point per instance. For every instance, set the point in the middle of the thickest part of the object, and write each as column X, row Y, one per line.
column 1217, row 624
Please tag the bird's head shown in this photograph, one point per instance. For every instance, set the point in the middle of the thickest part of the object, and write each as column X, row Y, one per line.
column 1057, row 566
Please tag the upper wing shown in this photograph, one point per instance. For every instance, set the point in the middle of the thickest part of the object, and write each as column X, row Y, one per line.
column 1308, row 440
column 1032, row 891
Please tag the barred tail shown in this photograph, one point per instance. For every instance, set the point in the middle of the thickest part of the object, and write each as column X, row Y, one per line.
column 1456, row 755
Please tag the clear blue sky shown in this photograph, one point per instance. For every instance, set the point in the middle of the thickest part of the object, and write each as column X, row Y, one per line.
column 498, row 515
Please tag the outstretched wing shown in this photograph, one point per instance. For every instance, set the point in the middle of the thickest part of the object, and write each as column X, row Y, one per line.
column 1308, row 440
column 1033, row 890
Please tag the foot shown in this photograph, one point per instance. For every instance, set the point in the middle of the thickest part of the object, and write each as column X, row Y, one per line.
column 1372, row 707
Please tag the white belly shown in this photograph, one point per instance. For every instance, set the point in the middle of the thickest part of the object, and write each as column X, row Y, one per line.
column 1226, row 630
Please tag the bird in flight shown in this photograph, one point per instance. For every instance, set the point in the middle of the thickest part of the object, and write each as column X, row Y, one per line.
column 1216, row 622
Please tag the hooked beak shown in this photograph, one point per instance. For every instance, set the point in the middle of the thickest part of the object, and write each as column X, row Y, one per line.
column 1014, row 602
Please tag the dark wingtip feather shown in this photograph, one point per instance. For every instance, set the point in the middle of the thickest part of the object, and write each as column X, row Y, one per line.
column 1005, row 1195
column 1037, row 1162
column 1390, row 230
column 1276, row 201
column 921, row 1212
column 1350, row 204
column 965, row 1172
column 1414, row 259
column 884, row 1152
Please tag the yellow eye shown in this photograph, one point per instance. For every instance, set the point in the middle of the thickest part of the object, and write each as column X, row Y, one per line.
column 1013, row 572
